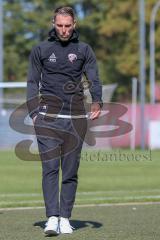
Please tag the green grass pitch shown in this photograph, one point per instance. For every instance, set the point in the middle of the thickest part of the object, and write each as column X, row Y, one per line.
column 104, row 177
column 134, row 222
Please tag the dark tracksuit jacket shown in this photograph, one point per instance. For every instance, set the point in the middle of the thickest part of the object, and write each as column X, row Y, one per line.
column 56, row 70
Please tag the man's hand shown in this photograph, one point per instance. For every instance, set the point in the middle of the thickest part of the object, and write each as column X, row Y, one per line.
column 95, row 111
column 34, row 119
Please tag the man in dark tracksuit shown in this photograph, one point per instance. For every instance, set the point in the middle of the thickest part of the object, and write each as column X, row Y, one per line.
column 55, row 71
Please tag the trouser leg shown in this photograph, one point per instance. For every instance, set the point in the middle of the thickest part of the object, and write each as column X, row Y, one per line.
column 50, row 186
column 70, row 164
column 50, row 175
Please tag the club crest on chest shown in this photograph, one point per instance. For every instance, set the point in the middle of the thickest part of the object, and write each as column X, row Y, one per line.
column 72, row 57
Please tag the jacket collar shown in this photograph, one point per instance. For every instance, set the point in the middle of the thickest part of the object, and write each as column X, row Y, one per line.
column 53, row 36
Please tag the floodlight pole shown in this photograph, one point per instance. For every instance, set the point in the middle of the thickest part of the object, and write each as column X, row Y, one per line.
column 152, row 52
column 142, row 70
column 1, row 52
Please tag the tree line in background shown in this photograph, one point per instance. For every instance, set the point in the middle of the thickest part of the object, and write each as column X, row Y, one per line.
column 110, row 27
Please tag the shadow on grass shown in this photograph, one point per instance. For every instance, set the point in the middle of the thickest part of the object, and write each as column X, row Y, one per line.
column 77, row 224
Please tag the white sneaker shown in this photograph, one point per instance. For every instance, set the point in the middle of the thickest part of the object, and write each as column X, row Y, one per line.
column 52, row 226
column 64, row 226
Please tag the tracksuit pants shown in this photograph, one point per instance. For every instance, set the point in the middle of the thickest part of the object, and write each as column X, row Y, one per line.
column 60, row 142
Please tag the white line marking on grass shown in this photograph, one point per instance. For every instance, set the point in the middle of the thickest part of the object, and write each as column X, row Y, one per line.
column 80, row 193
column 121, row 197
column 88, row 199
column 116, row 204
column 20, row 208
column 86, row 205
column 20, row 194
column 20, row 202
column 117, row 191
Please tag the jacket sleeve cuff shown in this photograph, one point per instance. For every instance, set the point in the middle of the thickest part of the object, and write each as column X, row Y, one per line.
column 32, row 115
column 99, row 102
